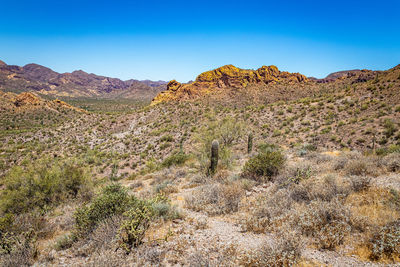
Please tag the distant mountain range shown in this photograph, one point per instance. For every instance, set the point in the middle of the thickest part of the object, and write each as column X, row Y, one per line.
column 40, row 79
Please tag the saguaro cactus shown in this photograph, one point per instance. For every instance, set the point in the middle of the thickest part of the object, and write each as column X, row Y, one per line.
column 214, row 156
column 181, row 144
column 250, row 143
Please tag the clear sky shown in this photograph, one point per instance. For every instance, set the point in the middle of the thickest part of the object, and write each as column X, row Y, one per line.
column 164, row 40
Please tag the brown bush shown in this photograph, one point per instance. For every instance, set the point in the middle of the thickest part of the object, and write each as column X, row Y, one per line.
column 269, row 211
column 327, row 222
column 215, row 198
column 327, row 189
column 359, row 183
column 392, row 162
column 284, row 252
column 363, row 166
column 386, row 242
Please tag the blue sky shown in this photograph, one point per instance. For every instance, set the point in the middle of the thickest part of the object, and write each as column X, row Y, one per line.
column 179, row 39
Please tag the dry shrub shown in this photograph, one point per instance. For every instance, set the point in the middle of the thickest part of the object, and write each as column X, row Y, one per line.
column 149, row 256
column 385, row 242
column 392, row 162
column 269, row 211
column 318, row 157
column 166, row 188
column 341, row 161
column 327, row 223
column 363, row 166
column 374, row 205
column 295, row 174
column 218, row 256
column 215, row 198
column 104, row 236
column 359, row 183
column 107, row 258
column 326, row 189
column 300, row 193
column 198, row 259
column 221, row 176
column 284, row 252
column 199, row 179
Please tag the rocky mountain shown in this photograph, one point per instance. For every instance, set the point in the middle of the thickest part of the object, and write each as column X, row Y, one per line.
column 229, row 77
column 40, row 79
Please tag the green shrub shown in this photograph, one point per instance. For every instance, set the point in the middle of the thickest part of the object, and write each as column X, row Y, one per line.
column 41, row 185
column 64, row 242
column 264, row 166
column 390, row 128
column 136, row 214
column 133, row 228
column 167, row 138
column 227, row 131
column 175, row 159
column 265, row 147
column 113, row 200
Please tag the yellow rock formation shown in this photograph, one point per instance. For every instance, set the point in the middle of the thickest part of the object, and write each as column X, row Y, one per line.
column 227, row 76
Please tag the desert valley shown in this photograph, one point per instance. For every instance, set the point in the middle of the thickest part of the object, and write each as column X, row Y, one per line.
column 240, row 167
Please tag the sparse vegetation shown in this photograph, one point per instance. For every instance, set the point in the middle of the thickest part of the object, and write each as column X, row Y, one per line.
column 130, row 184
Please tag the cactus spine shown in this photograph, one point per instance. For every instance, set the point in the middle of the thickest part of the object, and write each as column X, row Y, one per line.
column 250, row 143
column 214, row 156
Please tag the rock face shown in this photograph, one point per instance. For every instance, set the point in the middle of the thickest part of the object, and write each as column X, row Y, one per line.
column 34, row 77
column 26, row 99
column 227, row 76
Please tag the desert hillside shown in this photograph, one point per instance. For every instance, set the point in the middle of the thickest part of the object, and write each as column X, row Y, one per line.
column 238, row 168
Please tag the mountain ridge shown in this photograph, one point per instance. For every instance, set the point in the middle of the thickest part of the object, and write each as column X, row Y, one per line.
column 78, row 83
column 280, row 85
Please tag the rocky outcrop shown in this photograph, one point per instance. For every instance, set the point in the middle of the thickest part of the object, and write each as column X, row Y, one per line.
column 227, row 76
column 27, row 101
